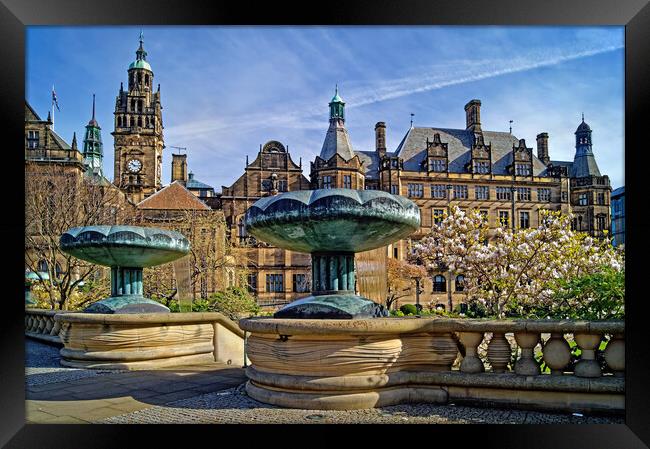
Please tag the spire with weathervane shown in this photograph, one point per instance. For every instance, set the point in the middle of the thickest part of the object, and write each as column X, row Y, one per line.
column 93, row 151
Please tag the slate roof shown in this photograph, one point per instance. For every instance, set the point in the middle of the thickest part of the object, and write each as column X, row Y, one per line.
column 370, row 161
column 584, row 164
column 175, row 196
column 412, row 149
column 195, row 183
column 336, row 141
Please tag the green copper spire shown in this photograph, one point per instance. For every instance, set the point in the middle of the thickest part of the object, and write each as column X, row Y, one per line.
column 337, row 106
column 140, row 56
column 93, row 149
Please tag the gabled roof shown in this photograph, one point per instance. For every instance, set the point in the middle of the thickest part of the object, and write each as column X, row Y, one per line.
column 173, row 197
column 413, row 151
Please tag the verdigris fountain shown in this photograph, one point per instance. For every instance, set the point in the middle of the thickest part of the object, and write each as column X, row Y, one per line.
column 332, row 225
column 127, row 250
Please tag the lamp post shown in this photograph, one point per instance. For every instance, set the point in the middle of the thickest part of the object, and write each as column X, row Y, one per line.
column 512, row 196
column 449, row 299
column 418, row 290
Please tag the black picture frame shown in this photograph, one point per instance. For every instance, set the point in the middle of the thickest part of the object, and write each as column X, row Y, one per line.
column 633, row 14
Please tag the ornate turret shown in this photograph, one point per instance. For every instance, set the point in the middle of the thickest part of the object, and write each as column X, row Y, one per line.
column 93, row 151
column 337, row 140
column 584, row 163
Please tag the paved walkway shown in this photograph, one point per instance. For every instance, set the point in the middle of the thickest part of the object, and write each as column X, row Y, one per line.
column 213, row 393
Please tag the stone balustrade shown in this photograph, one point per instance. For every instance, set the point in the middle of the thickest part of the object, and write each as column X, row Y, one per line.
column 344, row 364
column 40, row 324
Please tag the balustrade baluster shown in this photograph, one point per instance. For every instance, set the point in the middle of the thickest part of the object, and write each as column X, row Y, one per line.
column 587, row 366
column 499, row 352
column 557, row 353
column 615, row 354
column 527, row 365
column 471, row 362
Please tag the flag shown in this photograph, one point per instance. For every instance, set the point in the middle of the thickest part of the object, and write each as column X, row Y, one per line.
column 54, row 100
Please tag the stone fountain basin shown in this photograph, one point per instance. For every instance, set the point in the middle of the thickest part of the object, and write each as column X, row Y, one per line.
column 332, row 220
column 124, row 246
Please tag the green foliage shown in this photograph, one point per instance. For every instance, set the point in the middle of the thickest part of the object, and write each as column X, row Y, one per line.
column 409, row 309
column 396, row 313
column 233, row 302
column 595, row 296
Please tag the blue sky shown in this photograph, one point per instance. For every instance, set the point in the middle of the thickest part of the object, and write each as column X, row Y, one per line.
column 227, row 89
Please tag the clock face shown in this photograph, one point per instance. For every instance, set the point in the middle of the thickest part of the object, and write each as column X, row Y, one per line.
column 134, row 165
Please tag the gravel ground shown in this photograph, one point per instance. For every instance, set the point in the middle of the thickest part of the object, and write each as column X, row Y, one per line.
column 42, row 366
column 233, row 406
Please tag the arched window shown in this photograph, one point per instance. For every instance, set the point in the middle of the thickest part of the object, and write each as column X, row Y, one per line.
column 460, row 283
column 439, row 283
column 146, row 79
column 42, row 266
column 58, row 271
column 140, row 122
column 119, row 121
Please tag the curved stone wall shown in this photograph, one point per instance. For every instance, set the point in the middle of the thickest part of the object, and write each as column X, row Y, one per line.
column 148, row 341
column 364, row 363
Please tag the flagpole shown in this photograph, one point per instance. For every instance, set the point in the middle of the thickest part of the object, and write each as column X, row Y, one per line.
column 52, row 106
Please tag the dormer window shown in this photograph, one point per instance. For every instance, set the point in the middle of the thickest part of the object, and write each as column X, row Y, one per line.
column 437, row 165
column 522, row 170
column 481, row 167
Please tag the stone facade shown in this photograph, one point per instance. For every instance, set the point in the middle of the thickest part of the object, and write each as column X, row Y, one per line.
column 471, row 168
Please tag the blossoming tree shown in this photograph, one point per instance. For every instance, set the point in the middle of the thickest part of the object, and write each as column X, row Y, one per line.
column 516, row 273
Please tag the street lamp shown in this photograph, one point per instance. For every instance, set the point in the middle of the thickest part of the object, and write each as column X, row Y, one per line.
column 449, row 300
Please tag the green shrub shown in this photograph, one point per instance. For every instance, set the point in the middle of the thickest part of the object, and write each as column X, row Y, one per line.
column 396, row 313
column 233, row 302
column 409, row 309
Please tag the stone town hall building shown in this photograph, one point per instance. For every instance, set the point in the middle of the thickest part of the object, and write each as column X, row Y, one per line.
column 469, row 167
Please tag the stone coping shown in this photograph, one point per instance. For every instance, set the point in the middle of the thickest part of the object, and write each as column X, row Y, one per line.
column 134, row 319
column 287, row 326
column 541, row 382
column 45, row 312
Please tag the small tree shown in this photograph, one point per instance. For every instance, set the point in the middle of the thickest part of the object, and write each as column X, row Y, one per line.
column 515, row 273
column 58, row 198
column 401, row 279
column 212, row 259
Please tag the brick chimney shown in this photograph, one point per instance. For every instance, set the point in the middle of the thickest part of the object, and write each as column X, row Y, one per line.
column 473, row 116
column 542, row 148
column 179, row 168
column 380, row 138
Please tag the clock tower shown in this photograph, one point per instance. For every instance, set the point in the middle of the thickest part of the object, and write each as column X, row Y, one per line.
column 138, row 132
